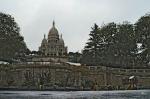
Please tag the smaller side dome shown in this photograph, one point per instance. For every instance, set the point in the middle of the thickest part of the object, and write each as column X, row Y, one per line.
column 61, row 41
column 44, row 41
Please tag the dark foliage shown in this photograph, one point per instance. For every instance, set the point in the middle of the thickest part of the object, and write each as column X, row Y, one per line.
column 117, row 45
column 12, row 44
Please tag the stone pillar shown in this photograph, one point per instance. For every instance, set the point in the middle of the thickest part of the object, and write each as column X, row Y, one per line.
column 53, row 76
column 79, row 79
column 107, row 77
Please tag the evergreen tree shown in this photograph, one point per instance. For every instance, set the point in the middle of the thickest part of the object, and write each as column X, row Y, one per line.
column 91, row 50
column 111, row 45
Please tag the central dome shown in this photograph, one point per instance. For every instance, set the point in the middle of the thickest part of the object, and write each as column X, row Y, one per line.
column 53, row 30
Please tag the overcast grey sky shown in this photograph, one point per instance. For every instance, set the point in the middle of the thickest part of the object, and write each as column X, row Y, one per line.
column 73, row 18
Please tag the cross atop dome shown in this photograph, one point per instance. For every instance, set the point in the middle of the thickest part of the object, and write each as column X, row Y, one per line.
column 53, row 23
column 44, row 36
column 61, row 36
